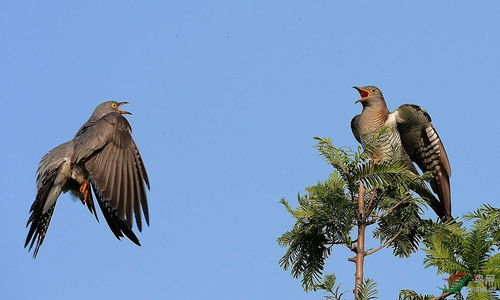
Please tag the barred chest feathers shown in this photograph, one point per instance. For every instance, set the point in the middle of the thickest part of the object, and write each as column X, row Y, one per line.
column 383, row 142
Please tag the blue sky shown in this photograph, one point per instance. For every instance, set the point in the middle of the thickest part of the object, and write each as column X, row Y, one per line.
column 226, row 97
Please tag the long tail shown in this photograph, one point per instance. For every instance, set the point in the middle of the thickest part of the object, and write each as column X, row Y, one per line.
column 439, row 207
column 39, row 219
column 441, row 186
column 433, row 202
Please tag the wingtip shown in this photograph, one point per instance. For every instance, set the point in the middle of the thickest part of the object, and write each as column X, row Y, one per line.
column 131, row 235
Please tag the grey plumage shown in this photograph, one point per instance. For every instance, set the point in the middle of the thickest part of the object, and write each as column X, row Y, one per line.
column 102, row 157
column 408, row 131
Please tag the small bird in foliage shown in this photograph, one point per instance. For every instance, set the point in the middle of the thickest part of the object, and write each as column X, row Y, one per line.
column 409, row 130
column 103, row 158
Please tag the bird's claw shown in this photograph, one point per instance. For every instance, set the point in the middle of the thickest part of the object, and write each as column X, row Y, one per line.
column 84, row 189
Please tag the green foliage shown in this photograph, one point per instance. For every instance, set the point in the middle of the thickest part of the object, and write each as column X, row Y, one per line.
column 452, row 248
column 409, row 233
column 329, row 285
column 489, row 214
column 325, row 217
column 412, row 295
column 328, row 211
column 368, row 290
column 354, row 167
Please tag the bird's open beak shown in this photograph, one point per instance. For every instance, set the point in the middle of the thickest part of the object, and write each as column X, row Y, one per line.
column 362, row 93
column 123, row 112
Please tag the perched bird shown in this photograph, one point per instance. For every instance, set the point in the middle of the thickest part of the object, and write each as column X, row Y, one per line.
column 408, row 131
column 102, row 157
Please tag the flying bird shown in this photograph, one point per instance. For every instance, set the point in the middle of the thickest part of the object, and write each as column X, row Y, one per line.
column 410, row 132
column 103, row 158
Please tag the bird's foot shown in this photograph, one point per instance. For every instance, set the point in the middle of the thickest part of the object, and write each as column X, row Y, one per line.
column 84, row 189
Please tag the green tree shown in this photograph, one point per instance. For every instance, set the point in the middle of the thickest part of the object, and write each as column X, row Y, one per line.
column 358, row 193
column 469, row 255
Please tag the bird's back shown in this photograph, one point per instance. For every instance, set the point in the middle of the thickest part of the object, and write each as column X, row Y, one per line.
column 53, row 160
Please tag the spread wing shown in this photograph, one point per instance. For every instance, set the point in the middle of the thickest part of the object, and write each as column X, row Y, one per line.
column 422, row 143
column 116, row 172
column 354, row 128
column 53, row 173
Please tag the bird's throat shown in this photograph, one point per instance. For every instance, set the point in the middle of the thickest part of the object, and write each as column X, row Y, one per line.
column 373, row 120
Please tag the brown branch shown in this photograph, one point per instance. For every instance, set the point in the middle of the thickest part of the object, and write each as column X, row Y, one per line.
column 389, row 241
column 442, row 296
column 361, row 199
column 373, row 203
column 360, row 245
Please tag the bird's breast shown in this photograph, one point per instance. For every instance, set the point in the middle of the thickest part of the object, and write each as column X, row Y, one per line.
column 382, row 137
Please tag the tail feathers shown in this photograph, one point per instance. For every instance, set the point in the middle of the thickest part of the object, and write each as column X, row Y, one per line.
column 38, row 230
column 89, row 203
column 433, row 202
column 40, row 219
column 441, row 186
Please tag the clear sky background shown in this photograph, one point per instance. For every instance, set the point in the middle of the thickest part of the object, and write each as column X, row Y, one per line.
column 226, row 97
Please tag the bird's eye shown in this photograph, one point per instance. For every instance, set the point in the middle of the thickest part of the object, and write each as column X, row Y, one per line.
column 373, row 90
column 114, row 105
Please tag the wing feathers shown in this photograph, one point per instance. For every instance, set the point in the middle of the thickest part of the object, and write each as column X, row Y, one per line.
column 355, row 128
column 422, row 143
column 116, row 224
column 142, row 191
column 118, row 186
column 117, row 171
column 130, row 191
column 137, row 204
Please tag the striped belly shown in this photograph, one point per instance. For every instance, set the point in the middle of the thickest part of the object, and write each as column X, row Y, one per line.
column 383, row 145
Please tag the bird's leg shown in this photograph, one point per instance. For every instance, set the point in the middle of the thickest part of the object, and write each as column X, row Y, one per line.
column 84, row 189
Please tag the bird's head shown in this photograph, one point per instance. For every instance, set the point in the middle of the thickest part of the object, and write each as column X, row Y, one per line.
column 108, row 107
column 370, row 95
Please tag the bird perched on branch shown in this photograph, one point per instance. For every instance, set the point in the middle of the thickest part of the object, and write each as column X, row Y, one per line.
column 410, row 132
column 102, row 157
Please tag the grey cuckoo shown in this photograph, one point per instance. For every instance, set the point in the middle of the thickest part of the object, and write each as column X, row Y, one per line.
column 103, row 158
column 408, row 131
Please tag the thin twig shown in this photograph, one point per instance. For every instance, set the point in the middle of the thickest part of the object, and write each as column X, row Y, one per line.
column 373, row 202
column 390, row 210
column 389, row 241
